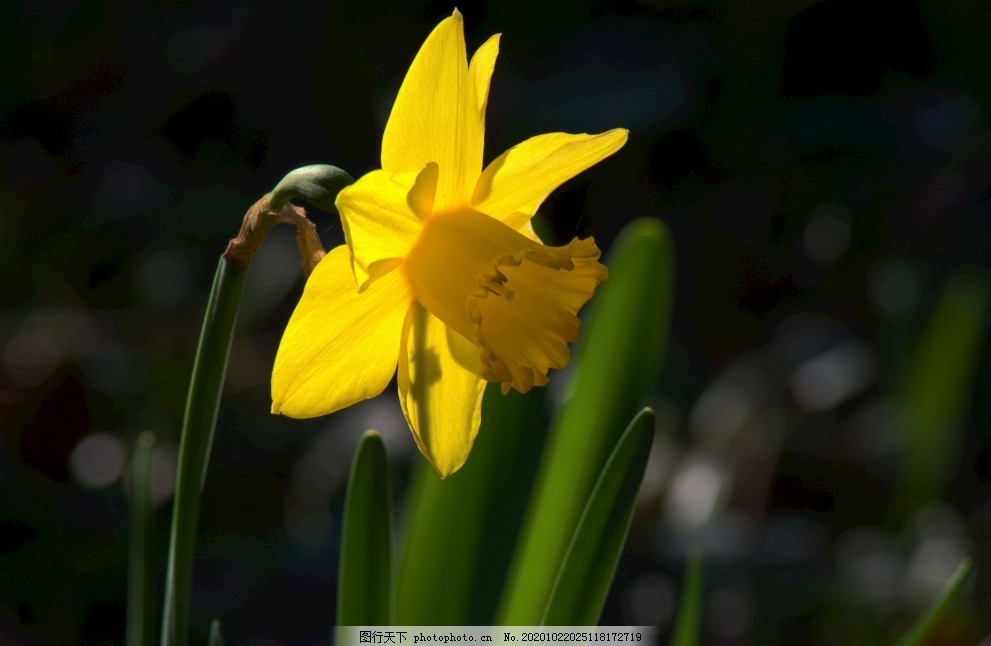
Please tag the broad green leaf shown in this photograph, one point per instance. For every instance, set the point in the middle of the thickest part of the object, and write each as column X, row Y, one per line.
column 364, row 591
column 924, row 626
column 688, row 627
column 141, row 553
column 941, row 385
column 461, row 530
column 618, row 356
column 199, row 422
column 588, row 568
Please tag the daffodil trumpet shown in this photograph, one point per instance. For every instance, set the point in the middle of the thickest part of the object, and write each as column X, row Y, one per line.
column 442, row 278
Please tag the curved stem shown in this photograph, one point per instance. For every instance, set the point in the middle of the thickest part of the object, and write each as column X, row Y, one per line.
column 202, row 404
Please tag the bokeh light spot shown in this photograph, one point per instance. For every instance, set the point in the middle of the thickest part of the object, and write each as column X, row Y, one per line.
column 827, row 234
column 97, row 460
column 832, row 377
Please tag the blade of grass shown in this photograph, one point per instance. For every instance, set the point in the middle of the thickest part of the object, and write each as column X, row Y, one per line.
column 469, row 521
column 617, row 358
column 202, row 405
column 688, row 627
column 588, row 568
column 364, row 591
column 216, row 637
column 940, row 388
column 918, row 633
column 141, row 553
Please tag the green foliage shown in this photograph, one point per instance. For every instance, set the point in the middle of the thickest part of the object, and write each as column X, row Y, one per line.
column 365, row 586
column 469, row 521
column 216, row 637
column 588, row 568
column 923, row 628
column 141, row 551
column 617, row 358
column 688, row 628
column 940, row 388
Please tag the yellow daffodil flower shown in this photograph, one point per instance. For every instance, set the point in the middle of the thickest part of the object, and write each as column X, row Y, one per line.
column 442, row 274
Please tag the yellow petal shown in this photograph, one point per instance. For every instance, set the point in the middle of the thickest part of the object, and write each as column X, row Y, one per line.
column 480, row 70
column 514, row 185
column 421, row 197
column 436, row 118
column 439, row 390
column 378, row 222
column 340, row 347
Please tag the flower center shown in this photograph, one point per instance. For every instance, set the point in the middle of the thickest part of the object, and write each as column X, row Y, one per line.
column 515, row 298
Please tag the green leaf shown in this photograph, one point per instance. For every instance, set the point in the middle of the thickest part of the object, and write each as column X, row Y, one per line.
column 461, row 530
column 940, row 388
column 200, row 420
column 688, row 627
column 925, row 624
column 364, row 591
column 617, row 358
column 216, row 638
column 318, row 184
column 141, row 554
column 586, row 574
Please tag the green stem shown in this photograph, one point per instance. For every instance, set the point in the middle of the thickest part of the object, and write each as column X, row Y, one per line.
column 216, row 637
column 319, row 184
column 688, row 628
column 205, row 386
column 141, row 564
column 925, row 624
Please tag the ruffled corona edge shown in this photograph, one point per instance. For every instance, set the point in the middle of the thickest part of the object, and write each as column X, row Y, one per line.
column 525, row 311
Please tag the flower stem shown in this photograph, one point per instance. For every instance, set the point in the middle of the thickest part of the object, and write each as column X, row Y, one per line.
column 319, row 185
column 141, row 565
column 688, row 627
column 206, row 383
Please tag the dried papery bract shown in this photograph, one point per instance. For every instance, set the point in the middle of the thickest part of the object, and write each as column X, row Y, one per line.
column 258, row 223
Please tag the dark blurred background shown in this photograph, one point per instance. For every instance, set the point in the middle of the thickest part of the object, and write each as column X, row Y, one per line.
column 824, row 170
